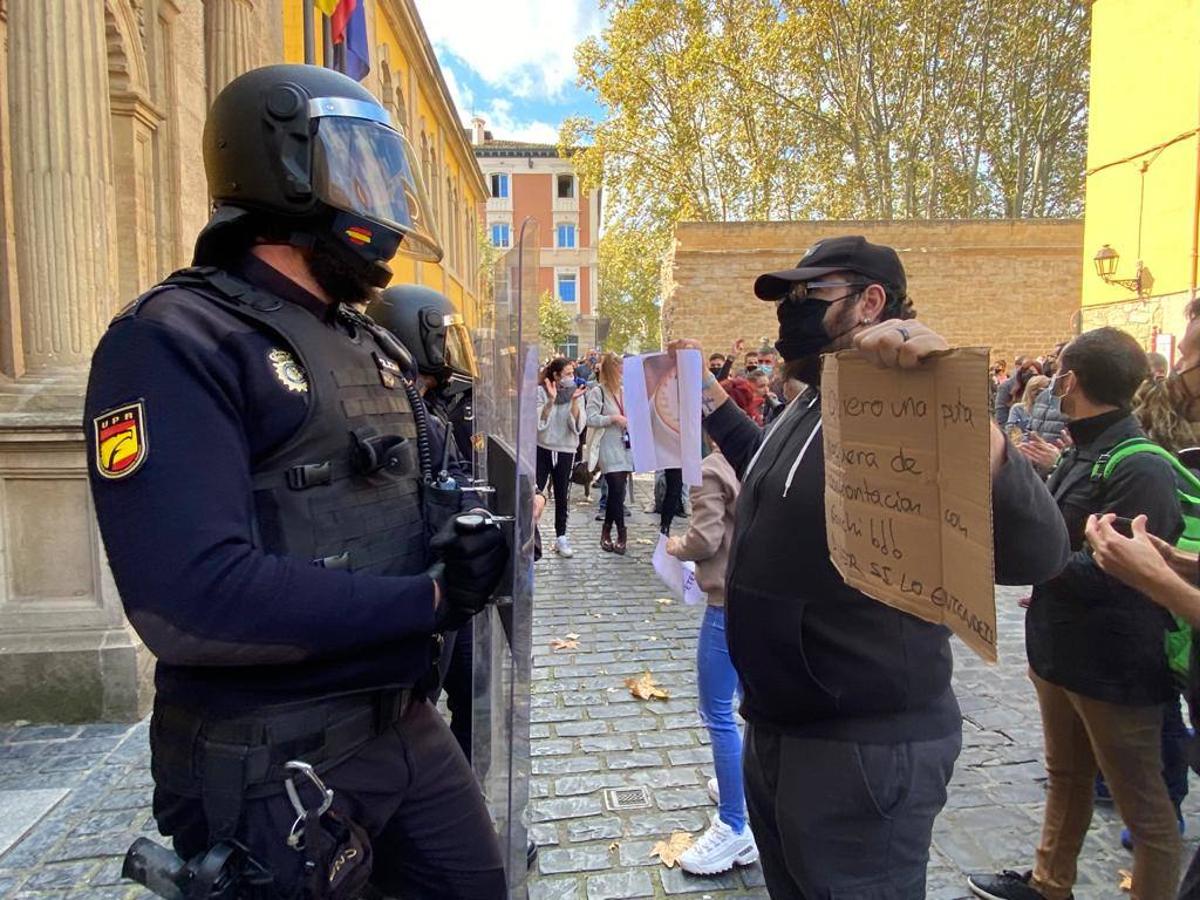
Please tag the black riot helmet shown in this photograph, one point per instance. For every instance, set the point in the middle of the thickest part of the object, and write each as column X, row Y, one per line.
column 309, row 156
column 427, row 323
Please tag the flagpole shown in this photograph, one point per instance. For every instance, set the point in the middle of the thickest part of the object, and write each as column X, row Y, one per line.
column 310, row 48
column 327, row 31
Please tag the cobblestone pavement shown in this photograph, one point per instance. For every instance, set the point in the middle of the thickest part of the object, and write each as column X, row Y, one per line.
column 589, row 735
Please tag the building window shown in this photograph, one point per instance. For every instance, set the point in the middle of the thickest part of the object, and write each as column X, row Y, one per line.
column 501, row 235
column 566, row 236
column 566, row 288
column 499, row 184
column 570, row 347
column 566, row 187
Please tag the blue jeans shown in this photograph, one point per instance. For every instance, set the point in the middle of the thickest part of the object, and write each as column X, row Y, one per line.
column 718, row 687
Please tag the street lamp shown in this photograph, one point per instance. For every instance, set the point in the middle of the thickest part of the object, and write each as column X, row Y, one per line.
column 1106, row 260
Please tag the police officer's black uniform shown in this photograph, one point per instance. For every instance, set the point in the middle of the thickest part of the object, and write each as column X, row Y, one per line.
column 427, row 323
column 261, row 479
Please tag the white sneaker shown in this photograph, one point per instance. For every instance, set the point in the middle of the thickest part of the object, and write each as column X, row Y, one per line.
column 563, row 547
column 719, row 849
column 714, row 791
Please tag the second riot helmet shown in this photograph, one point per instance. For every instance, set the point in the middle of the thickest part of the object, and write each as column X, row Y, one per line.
column 427, row 323
column 311, row 152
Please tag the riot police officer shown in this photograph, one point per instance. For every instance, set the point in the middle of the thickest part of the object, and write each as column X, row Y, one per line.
column 427, row 323
column 260, row 466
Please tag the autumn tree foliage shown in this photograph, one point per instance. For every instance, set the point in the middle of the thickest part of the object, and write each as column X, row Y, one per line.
column 725, row 110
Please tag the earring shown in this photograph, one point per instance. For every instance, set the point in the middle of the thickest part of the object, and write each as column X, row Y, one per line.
column 868, row 321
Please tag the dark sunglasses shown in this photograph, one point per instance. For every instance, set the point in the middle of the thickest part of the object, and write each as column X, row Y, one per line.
column 802, row 290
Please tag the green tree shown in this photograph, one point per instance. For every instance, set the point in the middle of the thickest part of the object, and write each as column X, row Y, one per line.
column 555, row 323
column 726, row 110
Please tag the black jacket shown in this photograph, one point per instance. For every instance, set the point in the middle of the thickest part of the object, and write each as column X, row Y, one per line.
column 1085, row 630
column 815, row 656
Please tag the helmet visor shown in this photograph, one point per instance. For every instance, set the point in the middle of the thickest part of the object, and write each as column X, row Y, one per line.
column 459, row 352
column 366, row 168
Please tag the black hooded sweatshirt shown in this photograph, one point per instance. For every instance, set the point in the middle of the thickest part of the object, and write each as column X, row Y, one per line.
column 819, row 658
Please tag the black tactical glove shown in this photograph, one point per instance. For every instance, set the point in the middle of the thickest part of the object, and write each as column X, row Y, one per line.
column 473, row 553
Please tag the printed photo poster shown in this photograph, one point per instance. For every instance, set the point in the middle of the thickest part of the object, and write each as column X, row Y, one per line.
column 662, row 403
column 908, row 487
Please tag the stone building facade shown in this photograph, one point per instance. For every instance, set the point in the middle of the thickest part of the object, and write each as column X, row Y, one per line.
column 101, row 192
column 1009, row 285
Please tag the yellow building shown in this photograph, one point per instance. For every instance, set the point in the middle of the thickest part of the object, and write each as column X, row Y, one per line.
column 406, row 76
column 1143, row 168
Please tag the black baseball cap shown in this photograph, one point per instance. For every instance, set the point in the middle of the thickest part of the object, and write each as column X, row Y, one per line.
column 851, row 253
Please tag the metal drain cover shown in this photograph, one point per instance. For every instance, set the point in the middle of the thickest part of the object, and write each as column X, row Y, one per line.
column 620, row 799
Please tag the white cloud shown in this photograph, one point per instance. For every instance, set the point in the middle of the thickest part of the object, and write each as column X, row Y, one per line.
column 524, row 48
column 504, row 126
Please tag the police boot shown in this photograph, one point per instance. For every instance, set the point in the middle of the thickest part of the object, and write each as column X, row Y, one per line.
column 606, row 543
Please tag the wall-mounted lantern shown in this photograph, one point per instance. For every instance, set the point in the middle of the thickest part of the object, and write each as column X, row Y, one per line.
column 1106, row 260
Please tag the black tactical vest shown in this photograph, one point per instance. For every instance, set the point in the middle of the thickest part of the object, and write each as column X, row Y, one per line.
column 345, row 490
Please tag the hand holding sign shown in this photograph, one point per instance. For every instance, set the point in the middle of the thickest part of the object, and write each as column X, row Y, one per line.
column 899, row 343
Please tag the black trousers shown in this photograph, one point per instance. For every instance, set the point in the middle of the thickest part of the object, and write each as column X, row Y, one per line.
column 614, row 508
column 410, row 788
column 845, row 819
column 672, row 498
column 556, row 465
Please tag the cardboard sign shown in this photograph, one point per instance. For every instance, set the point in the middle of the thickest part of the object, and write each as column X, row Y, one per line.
column 908, row 487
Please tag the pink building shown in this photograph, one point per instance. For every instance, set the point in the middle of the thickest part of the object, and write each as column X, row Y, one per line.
column 532, row 181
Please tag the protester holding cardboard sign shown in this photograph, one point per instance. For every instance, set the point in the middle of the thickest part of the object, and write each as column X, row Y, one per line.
column 853, row 728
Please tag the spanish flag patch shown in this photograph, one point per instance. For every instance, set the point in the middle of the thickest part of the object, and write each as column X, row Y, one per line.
column 121, row 440
column 359, row 234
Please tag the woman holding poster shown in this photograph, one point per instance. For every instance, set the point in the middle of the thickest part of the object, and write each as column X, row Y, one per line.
column 610, row 447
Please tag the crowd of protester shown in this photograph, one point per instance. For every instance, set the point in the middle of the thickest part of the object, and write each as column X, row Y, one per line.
column 1110, row 435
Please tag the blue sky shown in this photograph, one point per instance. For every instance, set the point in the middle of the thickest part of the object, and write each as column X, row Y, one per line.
column 513, row 63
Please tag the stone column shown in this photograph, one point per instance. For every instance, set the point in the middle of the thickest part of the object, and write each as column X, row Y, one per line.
column 12, row 354
column 231, row 42
column 62, row 178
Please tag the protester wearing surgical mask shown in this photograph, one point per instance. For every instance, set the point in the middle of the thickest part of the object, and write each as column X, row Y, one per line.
column 561, row 419
column 852, row 725
column 1095, row 645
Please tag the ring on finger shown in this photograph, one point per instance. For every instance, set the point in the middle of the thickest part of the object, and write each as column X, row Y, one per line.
column 904, row 335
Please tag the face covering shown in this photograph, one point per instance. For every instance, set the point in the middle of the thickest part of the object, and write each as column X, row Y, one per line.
column 566, row 387
column 766, row 370
column 1060, row 395
column 802, row 329
column 1189, row 385
column 716, row 370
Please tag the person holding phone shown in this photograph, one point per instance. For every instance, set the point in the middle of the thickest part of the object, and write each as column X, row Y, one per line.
column 560, row 422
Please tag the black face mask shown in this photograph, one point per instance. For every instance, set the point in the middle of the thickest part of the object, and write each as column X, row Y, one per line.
column 802, row 330
column 341, row 281
column 716, row 370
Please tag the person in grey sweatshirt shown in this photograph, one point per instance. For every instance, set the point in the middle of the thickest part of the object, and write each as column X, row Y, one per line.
column 560, row 421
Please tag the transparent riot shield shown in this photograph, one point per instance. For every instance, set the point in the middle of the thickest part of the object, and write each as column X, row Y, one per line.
column 504, row 450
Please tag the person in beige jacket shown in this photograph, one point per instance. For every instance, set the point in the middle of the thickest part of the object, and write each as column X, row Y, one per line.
column 728, row 841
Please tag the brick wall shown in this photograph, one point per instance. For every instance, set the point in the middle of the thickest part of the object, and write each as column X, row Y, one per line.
column 1012, row 285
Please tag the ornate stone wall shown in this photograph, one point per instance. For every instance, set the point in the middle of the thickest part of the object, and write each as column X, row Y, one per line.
column 1011, row 285
column 101, row 193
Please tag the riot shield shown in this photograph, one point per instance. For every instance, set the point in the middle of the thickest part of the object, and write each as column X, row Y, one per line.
column 504, row 449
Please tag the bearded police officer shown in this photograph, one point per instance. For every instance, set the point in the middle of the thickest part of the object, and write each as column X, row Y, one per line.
column 263, row 474
column 853, row 728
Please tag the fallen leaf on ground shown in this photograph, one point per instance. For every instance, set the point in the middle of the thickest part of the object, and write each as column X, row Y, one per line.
column 644, row 688
column 572, row 636
column 613, row 846
column 671, row 849
column 663, row 601
column 652, row 637
column 561, row 644
column 1126, row 879
column 644, row 541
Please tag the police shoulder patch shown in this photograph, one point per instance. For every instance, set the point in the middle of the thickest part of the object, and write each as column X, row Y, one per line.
column 289, row 372
column 122, row 441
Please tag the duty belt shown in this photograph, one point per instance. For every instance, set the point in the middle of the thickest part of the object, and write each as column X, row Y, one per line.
column 224, row 762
